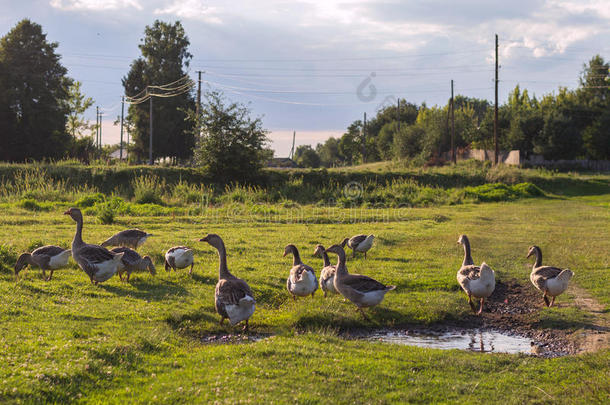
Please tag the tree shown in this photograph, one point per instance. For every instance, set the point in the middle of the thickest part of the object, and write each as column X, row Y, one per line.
column 351, row 142
column 232, row 145
column 34, row 86
column 594, row 96
column 306, row 156
column 164, row 59
column 76, row 104
column 329, row 152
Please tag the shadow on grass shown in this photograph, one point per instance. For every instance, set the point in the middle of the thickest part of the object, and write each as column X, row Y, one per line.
column 204, row 279
column 148, row 290
column 568, row 319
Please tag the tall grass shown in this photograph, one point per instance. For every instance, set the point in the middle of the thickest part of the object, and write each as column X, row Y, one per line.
column 34, row 183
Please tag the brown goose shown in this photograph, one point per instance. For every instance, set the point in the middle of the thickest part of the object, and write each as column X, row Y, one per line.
column 302, row 279
column 327, row 275
column 359, row 243
column 99, row 263
column 233, row 298
column 550, row 280
column 131, row 238
column 363, row 291
column 132, row 261
column 46, row 257
column 478, row 282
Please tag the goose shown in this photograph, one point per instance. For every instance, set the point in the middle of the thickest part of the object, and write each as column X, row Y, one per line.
column 179, row 257
column 476, row 281
column 131, row 238
column 46, row 257
column 97, row 262
column 233, row 298
column 302, row 279
column 359, row 243
column 133, row 261
column 327, row 275
column 550, row 280
column 361, row 290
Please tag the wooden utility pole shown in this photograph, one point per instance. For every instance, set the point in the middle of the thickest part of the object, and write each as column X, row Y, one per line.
column 122, row 113
column 496, row 109
column 453, row 158
column 364, row 140
column 198, row 111
column 101, row 130
column 398, row 113
column 97, row 126
column 150, row 139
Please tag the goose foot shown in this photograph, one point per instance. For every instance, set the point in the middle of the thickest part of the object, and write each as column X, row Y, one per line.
column 312, row 294
column 245, row 328
column 221, row 320
column 191, row 270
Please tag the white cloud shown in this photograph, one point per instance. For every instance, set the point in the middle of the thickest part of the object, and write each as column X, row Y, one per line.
column 95, row 5
column 192, row 9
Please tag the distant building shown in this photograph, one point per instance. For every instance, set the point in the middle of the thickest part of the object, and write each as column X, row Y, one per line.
column 282, row 163
column 117, row 153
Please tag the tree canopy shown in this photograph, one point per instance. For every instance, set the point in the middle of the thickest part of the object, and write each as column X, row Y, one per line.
column 165, row 57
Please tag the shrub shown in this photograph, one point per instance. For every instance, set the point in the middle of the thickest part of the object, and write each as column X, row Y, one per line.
column 148, row 190
column 8, row 256
column 33, row 205
column 106, row 214
column 90, row 200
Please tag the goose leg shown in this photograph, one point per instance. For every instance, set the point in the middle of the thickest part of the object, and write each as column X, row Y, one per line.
column 44, row 275
column 365, row 255
column 481, row 306
column 324, row 294
column 546, row 299
column 294, row 297
column 127, row 278
column 50, row 275
column 471, row 304
column 552, row 301
column 191, row 270
column 312, row 294
column 363, row 314
column 222, row 319
column 353, row 253
column 245, row 328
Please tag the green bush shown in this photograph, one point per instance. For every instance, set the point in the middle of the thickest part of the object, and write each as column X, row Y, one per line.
column 106, row 214
column 33, row 205
column 148, row 190
column 90, row 200
column 8, row 257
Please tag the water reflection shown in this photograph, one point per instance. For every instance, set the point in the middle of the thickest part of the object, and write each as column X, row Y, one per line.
column 465, row 339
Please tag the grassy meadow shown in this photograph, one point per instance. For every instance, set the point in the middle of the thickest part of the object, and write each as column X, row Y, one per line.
column 148, row 340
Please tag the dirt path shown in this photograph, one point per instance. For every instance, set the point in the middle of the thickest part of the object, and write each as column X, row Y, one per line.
column 598, row 337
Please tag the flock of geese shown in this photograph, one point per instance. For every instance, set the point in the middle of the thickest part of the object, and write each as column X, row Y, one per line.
column 233, row 297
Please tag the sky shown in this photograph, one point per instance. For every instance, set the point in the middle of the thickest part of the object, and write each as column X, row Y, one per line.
column 316, row 66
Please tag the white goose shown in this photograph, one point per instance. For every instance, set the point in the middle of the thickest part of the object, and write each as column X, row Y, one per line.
column 46, row 257
column 478, row 282
column 302, row 279
column 552, row 281
column 97, row 262
column 179, row 257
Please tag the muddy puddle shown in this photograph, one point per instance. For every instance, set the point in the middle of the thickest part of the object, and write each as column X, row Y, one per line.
column 476, row 340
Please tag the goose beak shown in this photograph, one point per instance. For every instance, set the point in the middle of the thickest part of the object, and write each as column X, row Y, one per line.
column 203, row 239
column 67, row 212
column 284, row 255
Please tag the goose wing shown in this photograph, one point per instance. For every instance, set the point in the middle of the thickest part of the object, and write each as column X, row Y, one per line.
column 541, row 274
column 172, row 250
column 327, row 272
column 296, row 273
column 356, row 240
column 95, row 254
column 362, row 283
column 130, row 256
column 49, row 250
column 230, row 291
column 471, row 272
column 131, row 233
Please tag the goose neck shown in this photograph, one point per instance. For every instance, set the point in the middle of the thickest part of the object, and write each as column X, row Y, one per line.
column 325, row 259
column 467, row 257
column 78, row 236
column 223, row 270
column 538, row 254
column 296, row 258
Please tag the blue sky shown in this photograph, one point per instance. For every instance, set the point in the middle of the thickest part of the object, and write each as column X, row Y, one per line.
column 316, row 66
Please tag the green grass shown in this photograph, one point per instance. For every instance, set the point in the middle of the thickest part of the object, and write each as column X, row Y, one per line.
column 67, row 340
